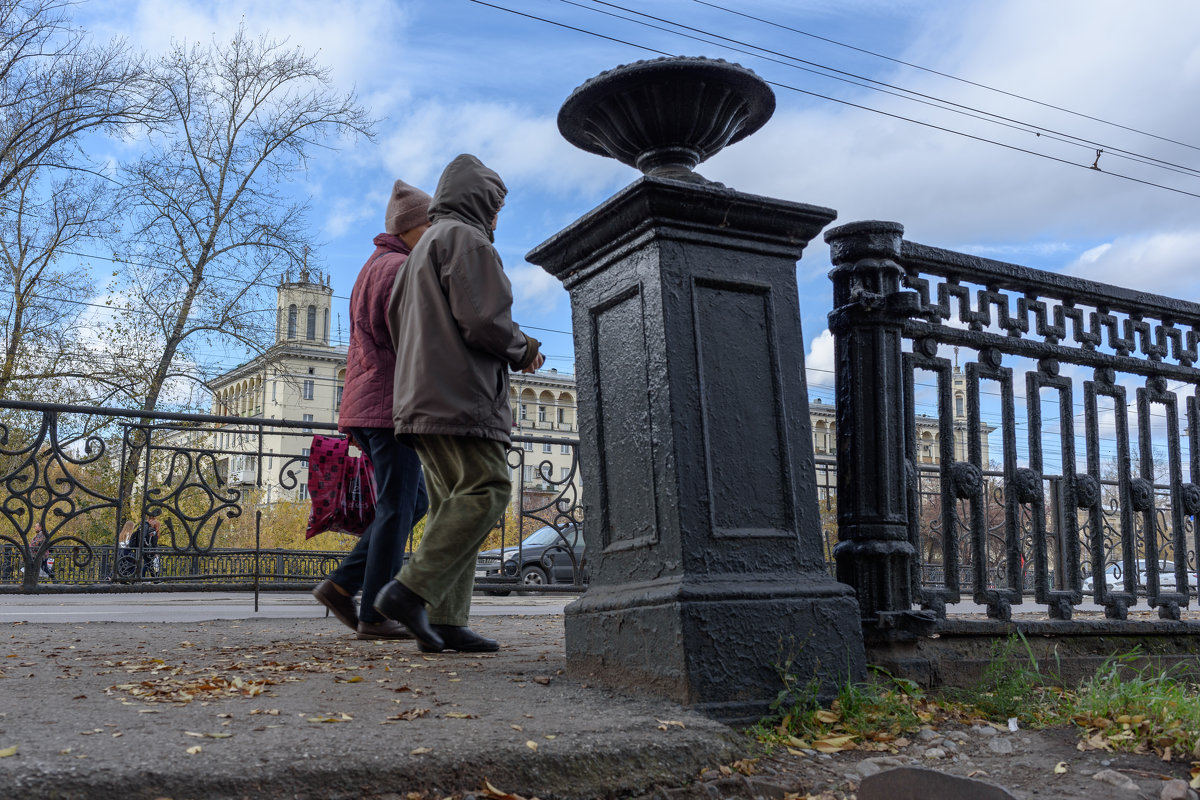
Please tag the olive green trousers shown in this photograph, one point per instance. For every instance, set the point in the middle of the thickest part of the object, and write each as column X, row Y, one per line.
column 469, row 488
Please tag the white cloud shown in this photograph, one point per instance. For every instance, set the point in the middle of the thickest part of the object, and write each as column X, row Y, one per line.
column 820, row 356
column 1111, row 60
column 344, row 213
column 522, row 147
column 533, row 286
column 349, row 36
column 1158, row 263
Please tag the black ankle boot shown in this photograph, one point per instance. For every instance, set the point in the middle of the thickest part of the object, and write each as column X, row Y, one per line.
column 464, row 640
column 396, row 601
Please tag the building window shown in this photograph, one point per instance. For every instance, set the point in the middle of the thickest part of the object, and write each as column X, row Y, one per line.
column 562, row 415
column 304, row 463
column 541, row 413
column 524, row 411
column 958, row 404
column 308, row 390
column 325, row 335
column 564, row 473
column 528, row 446
column 307, row 418
column 273, row 384
column 303, row 491
column 339, row 396
column 310, row 327
column 547, row 447
column 529, row 474
column 291, row 322
column 566, row 449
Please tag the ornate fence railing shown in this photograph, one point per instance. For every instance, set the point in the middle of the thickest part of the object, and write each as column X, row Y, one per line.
column 984, row 444
column 73, row 478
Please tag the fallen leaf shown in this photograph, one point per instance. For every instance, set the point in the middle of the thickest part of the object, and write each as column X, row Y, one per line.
column 353, row 679
column 458, row 715
column 497, row 794
column 532, row 745
column 193, row 750
column 1060, row 768
column 833, row 744
column 9, row 751
column 827, row 716
column 412, row 713
column 663, row 724
column 420, row 751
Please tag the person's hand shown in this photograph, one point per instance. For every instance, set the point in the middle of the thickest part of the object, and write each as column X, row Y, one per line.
column 538, row 360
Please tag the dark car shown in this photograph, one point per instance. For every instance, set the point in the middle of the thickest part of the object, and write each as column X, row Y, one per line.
column 545, row 556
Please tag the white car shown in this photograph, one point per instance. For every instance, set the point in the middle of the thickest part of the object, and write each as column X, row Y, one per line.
column 1114, row 576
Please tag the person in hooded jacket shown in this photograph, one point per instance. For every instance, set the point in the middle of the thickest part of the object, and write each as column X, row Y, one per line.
column 366, row 415
column 451, row 323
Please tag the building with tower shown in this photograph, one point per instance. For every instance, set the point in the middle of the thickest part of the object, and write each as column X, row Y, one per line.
column 299, row 377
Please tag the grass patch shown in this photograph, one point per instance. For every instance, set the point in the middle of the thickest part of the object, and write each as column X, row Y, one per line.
column 1126, row 706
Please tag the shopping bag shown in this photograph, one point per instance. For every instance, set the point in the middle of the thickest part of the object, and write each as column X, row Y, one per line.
column 341, row 486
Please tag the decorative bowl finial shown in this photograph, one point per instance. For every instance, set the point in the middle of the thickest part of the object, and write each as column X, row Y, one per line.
column 666, row 115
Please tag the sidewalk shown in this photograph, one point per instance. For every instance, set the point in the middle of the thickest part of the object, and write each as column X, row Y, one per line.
column 296, row 707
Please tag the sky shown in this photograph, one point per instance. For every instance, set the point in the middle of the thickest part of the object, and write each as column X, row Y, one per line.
column 451, row 76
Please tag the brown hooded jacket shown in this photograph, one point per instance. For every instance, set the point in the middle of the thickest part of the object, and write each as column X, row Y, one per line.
column 450, row 316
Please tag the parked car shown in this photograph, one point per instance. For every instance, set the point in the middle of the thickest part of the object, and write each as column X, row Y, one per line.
column 542, row 558
column 1114, row 576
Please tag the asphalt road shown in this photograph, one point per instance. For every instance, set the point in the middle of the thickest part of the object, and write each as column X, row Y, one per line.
column 202, row 606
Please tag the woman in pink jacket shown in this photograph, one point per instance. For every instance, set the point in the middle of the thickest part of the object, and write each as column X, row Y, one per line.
column 366, row 415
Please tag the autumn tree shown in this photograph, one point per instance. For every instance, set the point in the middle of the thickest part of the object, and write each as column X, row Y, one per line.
column 212, row 224
column 40, row 314
column 56, row 87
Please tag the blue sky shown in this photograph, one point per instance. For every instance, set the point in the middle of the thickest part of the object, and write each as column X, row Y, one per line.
column 452, row 76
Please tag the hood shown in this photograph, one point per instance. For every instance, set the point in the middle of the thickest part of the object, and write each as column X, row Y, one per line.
column 470, row 192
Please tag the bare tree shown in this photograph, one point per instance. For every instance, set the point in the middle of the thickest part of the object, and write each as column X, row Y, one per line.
column 211, row 219
column 55, row 87
column 40, row 316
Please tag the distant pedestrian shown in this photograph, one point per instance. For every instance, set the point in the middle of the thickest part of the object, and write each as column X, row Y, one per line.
column 46, row 563
column 366, row 415
column 148, row 538
column 451, row 322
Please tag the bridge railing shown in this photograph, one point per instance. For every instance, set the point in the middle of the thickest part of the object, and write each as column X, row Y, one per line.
column 221, row 488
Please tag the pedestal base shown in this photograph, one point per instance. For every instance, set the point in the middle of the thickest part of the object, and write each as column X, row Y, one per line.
column 719, row 648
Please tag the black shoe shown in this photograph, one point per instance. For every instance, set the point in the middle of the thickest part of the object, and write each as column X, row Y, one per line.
column 341, row 605
column 396, row 601
column 463, row 639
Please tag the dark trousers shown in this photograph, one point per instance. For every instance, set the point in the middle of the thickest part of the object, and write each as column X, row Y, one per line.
column 400, row 503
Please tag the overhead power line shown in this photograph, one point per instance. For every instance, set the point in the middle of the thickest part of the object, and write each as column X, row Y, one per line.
column 948, row 75
column 911, row 95
column 817, row 95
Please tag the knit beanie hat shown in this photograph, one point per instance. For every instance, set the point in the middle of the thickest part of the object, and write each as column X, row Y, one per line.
column 407, row 208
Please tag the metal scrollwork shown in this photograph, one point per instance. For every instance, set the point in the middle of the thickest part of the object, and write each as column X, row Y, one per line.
column 966, row 480
column 1087, row 491
column 1141, row 494
column 1027, row 485
column 1189, row 495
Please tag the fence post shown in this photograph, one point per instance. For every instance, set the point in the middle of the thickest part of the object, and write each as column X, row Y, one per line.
column 873, row 554
column 701, row 515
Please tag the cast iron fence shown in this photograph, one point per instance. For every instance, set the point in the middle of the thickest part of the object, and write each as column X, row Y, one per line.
column 1029, row 477
column 81, row 473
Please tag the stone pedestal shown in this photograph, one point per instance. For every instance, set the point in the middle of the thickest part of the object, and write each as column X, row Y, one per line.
column 701, row 520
